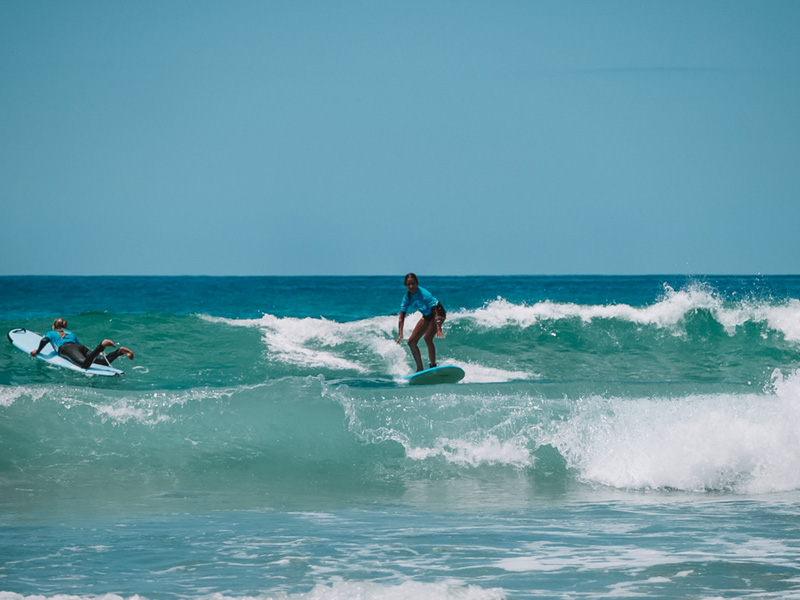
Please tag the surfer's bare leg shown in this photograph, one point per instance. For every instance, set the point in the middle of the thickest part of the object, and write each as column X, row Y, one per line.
column 419, row 330
column 429, row 333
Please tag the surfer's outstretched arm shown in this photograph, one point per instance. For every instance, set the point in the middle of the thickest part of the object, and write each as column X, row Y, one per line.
column 42, row 344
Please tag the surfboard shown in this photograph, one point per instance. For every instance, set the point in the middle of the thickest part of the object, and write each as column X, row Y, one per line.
column 28, row 341
column 444, row 374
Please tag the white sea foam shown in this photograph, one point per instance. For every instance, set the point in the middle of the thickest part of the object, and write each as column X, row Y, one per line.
column 543, row 557
column 784, row 317
column 339, row 590
column 317, row 343
column 15, row 596
column 10, row 394
column 489, row 450
column 151, row 408
column 147, row 408
column 476, row 373
column 321, row 343
column 410, row 590
column 668, row 313
column 743, row 443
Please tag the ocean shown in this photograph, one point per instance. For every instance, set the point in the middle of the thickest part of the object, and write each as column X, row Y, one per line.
column 614, row 437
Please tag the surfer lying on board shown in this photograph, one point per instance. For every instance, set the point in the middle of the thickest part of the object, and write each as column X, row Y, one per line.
column 68, row 346
column 433, row 315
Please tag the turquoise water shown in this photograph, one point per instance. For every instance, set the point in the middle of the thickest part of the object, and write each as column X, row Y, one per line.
column 613, row 437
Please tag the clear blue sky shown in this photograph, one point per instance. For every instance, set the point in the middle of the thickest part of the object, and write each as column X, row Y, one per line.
column 379, row 137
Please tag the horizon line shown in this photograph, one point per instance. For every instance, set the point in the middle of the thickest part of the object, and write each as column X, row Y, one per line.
column 654, row 274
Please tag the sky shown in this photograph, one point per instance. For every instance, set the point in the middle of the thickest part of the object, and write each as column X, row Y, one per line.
column 229, row 137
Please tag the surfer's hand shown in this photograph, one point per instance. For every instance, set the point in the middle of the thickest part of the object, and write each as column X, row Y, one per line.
column 399, row 338
column 34, row 353
column 440, row 334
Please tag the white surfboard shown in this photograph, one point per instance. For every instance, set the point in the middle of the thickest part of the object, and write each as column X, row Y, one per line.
column 443, row 374
column 28, row 341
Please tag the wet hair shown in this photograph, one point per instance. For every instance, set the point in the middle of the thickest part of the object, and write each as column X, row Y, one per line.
column 410, row 276
column 60, row 323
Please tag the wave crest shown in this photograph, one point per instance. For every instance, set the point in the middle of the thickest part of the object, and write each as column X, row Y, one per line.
column 669, row 312
column 739, row 443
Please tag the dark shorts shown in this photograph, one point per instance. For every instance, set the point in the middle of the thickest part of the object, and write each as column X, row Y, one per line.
column 438, row 310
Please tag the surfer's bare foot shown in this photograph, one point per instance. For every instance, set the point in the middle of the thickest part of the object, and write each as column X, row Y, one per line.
column 127, row 352
column 108, row 344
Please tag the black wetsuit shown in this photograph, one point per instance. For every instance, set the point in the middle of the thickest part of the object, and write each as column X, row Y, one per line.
column 81, row 355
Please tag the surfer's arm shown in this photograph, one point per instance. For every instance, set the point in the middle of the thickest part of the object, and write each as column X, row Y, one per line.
column 400, row 326
column 42, row 344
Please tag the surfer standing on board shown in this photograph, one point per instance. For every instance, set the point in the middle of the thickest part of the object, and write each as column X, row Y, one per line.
column 68, row 346
column 433, row 315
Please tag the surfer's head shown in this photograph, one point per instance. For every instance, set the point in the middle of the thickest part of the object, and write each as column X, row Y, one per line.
column 411, row 283
column 60, row 323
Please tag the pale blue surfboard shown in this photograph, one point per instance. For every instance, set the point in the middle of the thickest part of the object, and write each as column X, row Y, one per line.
column 444, row 374
column 28, row 341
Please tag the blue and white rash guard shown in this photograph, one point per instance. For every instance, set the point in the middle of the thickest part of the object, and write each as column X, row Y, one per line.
column 423, row 301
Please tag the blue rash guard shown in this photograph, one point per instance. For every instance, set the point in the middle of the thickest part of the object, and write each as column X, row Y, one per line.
column 55, row 338
column 423, row 301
